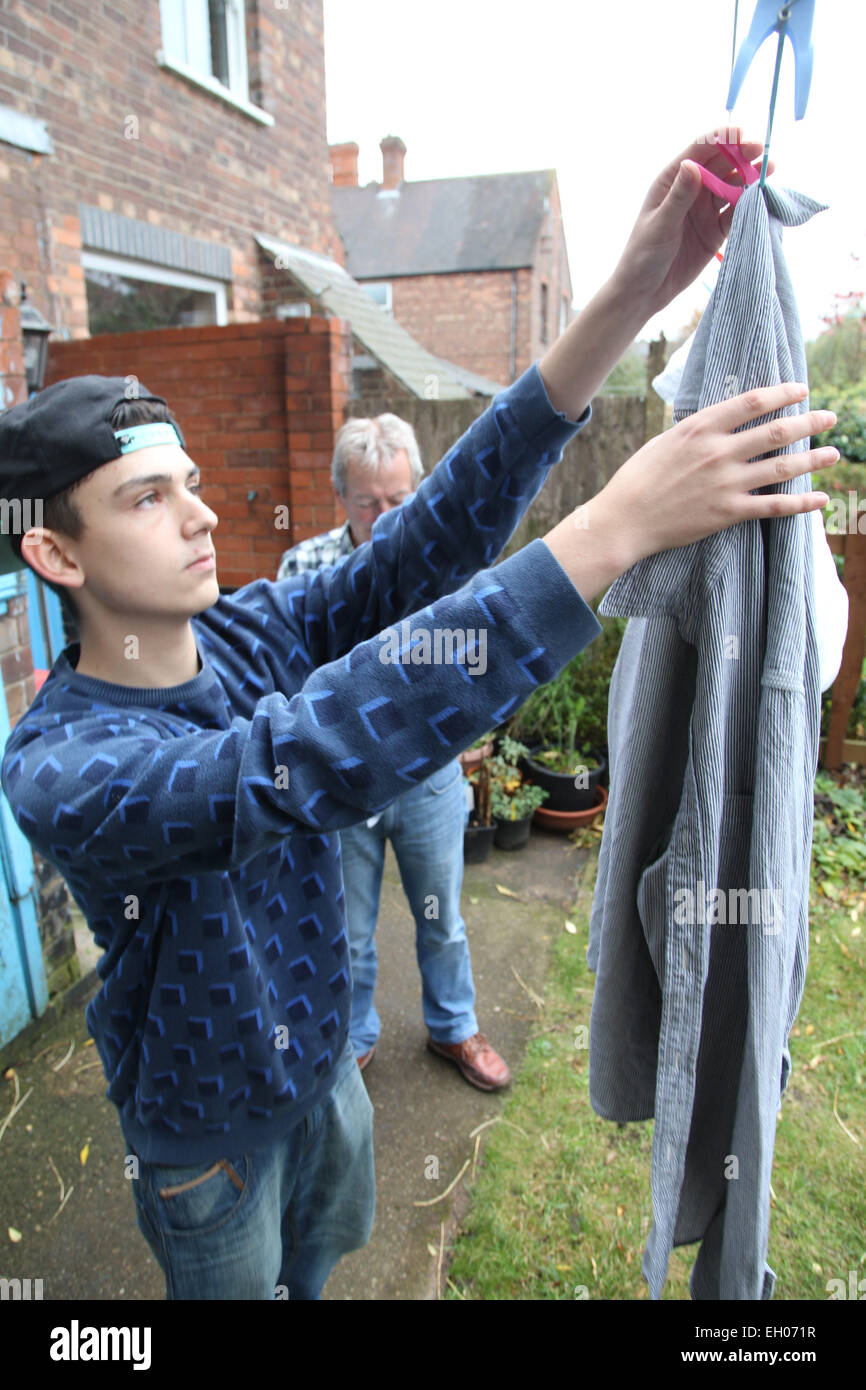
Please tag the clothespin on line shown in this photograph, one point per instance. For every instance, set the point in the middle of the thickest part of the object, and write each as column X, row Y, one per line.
column 786, row 17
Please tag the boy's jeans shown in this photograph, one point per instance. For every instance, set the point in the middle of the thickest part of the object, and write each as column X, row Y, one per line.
column 425, row 825
column 271, row 1222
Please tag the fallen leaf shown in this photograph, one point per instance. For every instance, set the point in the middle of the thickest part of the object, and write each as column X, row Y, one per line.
column 14, row 1235
column 570, row 927
column 810, row 1028
column 89, row 1042
column 474, row 902
column 433, row 1251
column 84, row 1152
column 507, row 891
column 620, row 1210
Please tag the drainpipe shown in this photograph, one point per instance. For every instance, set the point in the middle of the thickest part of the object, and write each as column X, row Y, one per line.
column 512, row 362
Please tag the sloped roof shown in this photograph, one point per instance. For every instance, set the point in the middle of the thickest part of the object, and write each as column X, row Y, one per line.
column 436, row 226
column 394, row 348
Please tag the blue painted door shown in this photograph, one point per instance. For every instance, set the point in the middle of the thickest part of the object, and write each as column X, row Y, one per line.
column 23, row 986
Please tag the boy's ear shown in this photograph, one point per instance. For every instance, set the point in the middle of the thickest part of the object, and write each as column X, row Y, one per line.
column 45, row 551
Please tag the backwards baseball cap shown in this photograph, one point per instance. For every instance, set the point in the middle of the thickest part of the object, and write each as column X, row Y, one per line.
column 63, row 432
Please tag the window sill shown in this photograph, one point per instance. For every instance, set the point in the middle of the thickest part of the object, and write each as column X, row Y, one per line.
column 216, row 89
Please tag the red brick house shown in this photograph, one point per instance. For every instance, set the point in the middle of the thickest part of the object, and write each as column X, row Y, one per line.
column 474, row 268
column 151, row 152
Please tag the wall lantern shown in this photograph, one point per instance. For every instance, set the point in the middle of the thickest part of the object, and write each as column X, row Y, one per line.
column 34, row 336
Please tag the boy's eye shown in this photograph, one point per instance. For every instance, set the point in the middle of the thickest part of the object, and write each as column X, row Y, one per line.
column 193, row 487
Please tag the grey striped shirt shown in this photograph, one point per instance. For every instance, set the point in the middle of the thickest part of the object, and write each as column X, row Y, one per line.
column 699, row 925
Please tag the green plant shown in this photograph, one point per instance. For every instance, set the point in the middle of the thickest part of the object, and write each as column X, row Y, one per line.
column 516, row 805
column 510, row 797
column 567, row 763
column 839, row 838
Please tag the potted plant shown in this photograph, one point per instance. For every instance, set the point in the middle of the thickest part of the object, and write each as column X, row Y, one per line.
column 568, row 765
column 473, row 756
column 479, row 833
column 513, row 802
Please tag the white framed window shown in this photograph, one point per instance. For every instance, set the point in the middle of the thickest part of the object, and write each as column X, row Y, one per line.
column 563, row 313
column 381, row 292
column 125, row 296
column 205, row 41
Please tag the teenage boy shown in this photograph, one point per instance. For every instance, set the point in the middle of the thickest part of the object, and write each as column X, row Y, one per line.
column 187, row 763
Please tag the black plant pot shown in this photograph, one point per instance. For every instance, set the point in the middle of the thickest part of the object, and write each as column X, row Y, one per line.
column 563, row 794
column 512, row 834
column 477, row 840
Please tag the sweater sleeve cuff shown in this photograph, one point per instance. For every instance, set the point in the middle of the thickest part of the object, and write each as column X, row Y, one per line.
column 555, row 610
column 534, row 414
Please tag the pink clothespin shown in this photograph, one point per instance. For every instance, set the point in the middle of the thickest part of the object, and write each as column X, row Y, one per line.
column 730, row 191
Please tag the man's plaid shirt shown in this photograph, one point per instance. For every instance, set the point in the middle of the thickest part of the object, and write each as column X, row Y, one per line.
column 311, row 554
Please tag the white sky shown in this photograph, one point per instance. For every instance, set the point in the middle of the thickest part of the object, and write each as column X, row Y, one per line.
column 606, row 94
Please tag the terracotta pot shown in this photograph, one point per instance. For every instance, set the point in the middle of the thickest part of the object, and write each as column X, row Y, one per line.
column 474, row 757
column 570, row 820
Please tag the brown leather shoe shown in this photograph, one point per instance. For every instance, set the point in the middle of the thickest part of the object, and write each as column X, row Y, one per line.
column 365, row 1058
column 479, row 1063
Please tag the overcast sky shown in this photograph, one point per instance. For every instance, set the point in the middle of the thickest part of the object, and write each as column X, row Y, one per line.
column 606, row 94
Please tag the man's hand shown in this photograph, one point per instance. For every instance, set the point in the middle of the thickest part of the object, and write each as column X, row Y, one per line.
column 691, row 481
column 681, row 226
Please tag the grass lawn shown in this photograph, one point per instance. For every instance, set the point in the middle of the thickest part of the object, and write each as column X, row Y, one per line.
column 561, row 1205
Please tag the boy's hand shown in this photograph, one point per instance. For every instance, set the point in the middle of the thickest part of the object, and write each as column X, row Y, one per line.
column 691, row 481
column 680, row 226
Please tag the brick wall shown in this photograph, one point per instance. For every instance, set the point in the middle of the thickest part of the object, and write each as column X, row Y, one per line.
column 135, row 139
column 13, row 382
column 466, row 318
column 259, row 405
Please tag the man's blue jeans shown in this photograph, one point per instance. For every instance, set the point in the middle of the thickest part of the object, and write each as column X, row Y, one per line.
column 271, row 1222
column 425, row 825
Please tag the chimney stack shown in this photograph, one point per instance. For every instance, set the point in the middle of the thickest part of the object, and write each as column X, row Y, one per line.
column 344, row 163
column 393, row 153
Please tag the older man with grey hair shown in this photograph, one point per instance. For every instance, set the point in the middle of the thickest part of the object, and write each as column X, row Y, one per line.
column 376, row 466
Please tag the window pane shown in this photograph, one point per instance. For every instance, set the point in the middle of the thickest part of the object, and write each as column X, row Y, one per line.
column 173, row 29
column 380, row 292
column 197, row 35
column 218, row 41
column 121, row 304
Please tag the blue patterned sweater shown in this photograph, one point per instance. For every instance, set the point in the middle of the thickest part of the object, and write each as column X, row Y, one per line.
column 195, row 824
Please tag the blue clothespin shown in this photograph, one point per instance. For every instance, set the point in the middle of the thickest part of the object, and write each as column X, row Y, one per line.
column 791, row 17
